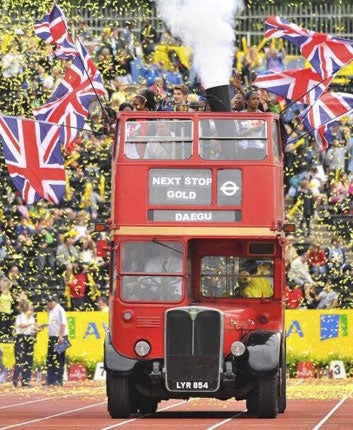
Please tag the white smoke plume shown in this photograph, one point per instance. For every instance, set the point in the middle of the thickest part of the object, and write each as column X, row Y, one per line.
column 207, row 26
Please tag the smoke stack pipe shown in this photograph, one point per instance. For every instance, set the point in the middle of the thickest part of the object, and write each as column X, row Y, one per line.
column 219, row 98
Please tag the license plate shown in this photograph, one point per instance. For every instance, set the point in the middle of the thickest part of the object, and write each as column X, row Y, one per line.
column 191, row 385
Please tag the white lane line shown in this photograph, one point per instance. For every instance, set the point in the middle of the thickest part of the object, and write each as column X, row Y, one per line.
column 332, row 411
column 31, row 401
column 52, row 416
column 40, row 400
column 142, row 416
column 239, row 414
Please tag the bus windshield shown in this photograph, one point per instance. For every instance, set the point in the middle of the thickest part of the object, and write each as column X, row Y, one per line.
column 151, row 271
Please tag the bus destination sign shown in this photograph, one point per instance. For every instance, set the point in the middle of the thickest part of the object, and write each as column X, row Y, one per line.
column 193, row 187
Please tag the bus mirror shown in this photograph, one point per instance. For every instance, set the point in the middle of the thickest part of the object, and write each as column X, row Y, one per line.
column 288, row 227
column 102, row 248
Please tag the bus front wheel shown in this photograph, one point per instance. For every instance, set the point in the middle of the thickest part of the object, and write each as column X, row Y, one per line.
column 267, row 397
column 118, row 390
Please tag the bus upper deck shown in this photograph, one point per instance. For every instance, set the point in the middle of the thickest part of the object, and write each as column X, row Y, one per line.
column 198, row 169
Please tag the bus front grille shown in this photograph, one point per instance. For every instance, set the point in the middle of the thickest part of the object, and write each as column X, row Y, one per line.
column 193, row 343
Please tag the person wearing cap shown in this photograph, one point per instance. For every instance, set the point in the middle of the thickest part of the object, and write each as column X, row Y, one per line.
column 58, row 333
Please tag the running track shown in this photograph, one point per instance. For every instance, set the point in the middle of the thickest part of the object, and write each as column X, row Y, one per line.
column 312, row 404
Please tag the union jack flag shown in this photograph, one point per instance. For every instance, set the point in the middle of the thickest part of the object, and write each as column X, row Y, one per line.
column 33, row 157
column 303, row 85
column 68, row 105
column 327, row 54
column 53, row 30
column 329, row 107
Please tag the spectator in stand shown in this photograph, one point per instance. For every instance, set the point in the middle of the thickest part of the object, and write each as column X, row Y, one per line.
column 150, row 71
column 299, row 270
column 84, row 32
column 317, row 186
column 87, row 250
column 5, row 244
column 118, row 95
column 250, row 63
column 105, row 64
column 66, row 252
column 18, row 282
column 293, row 295
column 148, row 38
column 102, row 304
column 128, row 38
column 173, row 76
column 275, row 59
column 114, row 42
column 309, row 301
column 306, row 207
column 327, row 298
column 77, row 287
column 336, row 158
column 336, row 258
column 290, row 252
column 338, row 193
column 47, row 243
column 335, row 133
column 7, row 303
column 317, row 261
column 123, row 66
column 80, row 227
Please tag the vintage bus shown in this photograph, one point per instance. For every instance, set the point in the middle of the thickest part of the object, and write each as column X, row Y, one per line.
column 197, row 268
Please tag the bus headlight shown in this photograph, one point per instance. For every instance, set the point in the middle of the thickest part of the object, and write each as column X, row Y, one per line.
column 142, row 348
column 237, row 348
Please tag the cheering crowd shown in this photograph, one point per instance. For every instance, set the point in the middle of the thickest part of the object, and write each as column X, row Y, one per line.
column 48, row 248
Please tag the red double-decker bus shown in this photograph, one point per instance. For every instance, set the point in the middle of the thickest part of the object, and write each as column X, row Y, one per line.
column 197, row 268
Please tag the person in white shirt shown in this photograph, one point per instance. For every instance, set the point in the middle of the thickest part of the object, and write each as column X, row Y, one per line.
column 58, row 335
column 299, row 270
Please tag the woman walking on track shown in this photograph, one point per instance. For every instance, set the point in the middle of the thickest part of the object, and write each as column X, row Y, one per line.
column 25, row 337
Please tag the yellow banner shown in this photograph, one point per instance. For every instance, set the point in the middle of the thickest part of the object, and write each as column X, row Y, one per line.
column 315, row 334
column 86, row 333
column 319, row 334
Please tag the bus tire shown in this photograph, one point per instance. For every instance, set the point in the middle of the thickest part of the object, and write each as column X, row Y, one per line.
column 282, row 397
column 251, row 403
column 148, row 405
column 118, row 389
column 267, row 397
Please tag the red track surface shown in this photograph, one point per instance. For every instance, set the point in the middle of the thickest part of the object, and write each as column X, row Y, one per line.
column 312, row 404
